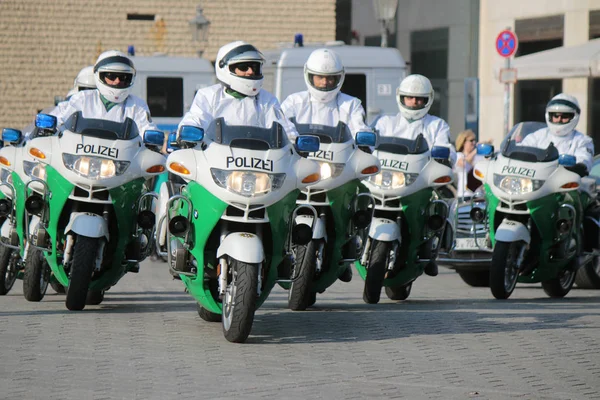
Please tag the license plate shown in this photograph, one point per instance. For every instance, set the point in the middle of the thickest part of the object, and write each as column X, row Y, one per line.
column 467, row 244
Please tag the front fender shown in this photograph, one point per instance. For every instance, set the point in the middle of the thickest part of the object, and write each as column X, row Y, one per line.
column 86, row 224
column 384, row 230
column 319, row 230
column 243, row 246
column 512, row 231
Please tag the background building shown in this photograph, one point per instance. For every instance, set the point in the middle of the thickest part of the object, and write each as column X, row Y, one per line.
column 43, row 45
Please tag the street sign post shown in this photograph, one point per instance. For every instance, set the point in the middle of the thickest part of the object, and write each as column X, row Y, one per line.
column 506, row 46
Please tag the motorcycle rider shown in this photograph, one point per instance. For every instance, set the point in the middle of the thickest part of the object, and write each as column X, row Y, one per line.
column 415, row 96
column 114, row 74
column 84, row 80
column 323, row 103
column 239, row 97
column 562, row 116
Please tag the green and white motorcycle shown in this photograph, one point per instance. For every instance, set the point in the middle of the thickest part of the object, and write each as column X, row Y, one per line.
column 535, row 213
column 404, row 235
column 95, row 222
column 335, row 210
column 229, row 230
column 17, row 170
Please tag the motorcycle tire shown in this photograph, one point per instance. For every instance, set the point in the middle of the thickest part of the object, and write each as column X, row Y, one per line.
column 588, row 276
column 94, row 297
column 82, row 267
column 58, row 288
column 299, row 295
column 475, row 278
column 8, row 269
column 206, row 315
column 504, row 270
column 399, row 292
column 37, row 275
column 561, row 285
column 375, row 272
column 239, row 303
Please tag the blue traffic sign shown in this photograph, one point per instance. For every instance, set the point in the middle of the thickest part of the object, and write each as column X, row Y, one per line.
column 506, row 43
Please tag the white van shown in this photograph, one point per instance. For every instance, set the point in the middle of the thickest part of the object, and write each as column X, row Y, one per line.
column 372, row 74
column 169, row 84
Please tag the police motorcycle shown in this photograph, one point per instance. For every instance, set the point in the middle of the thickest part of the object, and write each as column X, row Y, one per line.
column 230, row 227
column 95, row 222
column 404, row 235
column 334, row 210
column 535, row 213
column 17, row 258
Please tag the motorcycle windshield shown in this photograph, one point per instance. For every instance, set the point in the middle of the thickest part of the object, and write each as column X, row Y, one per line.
column 327, row 134
column 511, row 147
column 402, row 146
column 246, row 137
column 101, row 128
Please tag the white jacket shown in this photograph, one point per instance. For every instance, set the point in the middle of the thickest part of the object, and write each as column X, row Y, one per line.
column 575, row 144
column 213, row 102
column 435, row 130
column 343, row 107
column 91, row 106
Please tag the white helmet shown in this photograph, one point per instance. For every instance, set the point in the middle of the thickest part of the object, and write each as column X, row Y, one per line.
column 85, row 79
column 414, row 86
column 114, row 64
column 564, row 104
column 244, row 55
column 324, row 62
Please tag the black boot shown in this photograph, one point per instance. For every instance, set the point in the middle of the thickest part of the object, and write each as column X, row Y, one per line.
column 431, row 269
column 346, row 276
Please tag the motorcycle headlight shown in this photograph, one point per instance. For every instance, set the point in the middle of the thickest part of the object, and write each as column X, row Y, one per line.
column 387, row 179
column 247, row 183
column 330, row 170
column 5, row 176
column 517, row 185
column 94, row 168
column 34, row 169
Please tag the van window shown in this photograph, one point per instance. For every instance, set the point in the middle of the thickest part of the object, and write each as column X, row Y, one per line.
column 165, row 96
column 355, row 85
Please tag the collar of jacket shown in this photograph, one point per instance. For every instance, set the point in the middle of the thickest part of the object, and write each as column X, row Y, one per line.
column 107, row 104
column 235, row 94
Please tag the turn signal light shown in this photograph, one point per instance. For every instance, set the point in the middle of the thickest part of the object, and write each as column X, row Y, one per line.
column 373, row 169
column 570, row 185
column 155, row 169
column 4, row 161
column 478, row 173
column 443, row 179
column 179, row 168
column 312, row 178
column 37, row 153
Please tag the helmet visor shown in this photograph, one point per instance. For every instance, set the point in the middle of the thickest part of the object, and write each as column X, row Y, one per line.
column 561, row 118
column 119, row 80
column 247, row 69
column 325, row 83
column 414, row 103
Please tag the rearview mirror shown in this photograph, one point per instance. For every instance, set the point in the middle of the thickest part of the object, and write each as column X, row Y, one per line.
column 308, row 143
column 45, row 121
column 440, row 152
column 155, row 138
column 191, row 134
column 11, row 135
column 567, row 160
column 485, row 149
column 366, row 138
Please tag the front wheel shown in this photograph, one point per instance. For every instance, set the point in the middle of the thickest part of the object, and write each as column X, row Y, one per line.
column 239, row 303
column 299, row 296
column 375, row 272
column 561, row 285
column 475, row 278
column 36, row 276
column 504, row 271
column 8, row 269
column 399, row 292
column 82, row 267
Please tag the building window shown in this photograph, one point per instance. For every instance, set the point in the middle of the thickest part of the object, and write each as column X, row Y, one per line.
column 355, row 85
column 594, row 24
column 539, row 34
column 140, row 17
column 165, row 97
column 532, row 96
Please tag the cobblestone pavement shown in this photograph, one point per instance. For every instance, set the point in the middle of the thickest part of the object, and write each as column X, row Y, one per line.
column 447, row 341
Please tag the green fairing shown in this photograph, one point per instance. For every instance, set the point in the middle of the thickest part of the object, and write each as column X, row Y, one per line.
column 124, row 200
column 543, row 212
column 210, row 209
column 415, row 208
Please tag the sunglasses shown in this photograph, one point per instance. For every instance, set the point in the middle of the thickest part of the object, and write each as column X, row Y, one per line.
column 246, row 66
column 566, row 117
column 124, row 79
